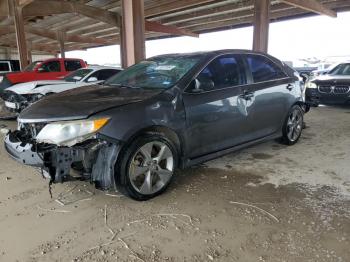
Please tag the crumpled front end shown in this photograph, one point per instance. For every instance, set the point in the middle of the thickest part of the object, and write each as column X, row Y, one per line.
column 94, row 159
column 16, row 103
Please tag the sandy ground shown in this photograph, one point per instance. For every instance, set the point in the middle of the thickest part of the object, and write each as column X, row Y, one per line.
column 299, row 209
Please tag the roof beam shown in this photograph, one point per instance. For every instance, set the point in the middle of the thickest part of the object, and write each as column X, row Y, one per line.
column 25, row 2
column 311, row 5
column 51, row 7
column 4, row 30
column 4, row 8
column 153, row 26
column 171, row 6
column 67, row 37
column 202, row 14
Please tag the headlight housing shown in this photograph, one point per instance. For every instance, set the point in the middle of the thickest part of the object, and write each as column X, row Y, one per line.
column 310, row 85
column 69, row 133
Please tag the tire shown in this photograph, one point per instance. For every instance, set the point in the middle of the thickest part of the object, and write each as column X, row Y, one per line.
column 293, row 126
column 138, row 174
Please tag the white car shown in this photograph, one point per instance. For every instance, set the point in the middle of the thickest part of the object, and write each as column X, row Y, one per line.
column 18, row 97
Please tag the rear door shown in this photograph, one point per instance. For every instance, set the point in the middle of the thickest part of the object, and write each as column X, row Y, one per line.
column 215, row 119
column 271, row 92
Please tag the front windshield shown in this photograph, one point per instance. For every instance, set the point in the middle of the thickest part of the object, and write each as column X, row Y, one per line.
column 155, row 73
column 342, row 69
column 31, row 66
column 77, row 75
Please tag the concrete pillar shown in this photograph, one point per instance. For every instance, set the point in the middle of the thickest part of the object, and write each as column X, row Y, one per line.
column 261, row 25
column 61, row 39
column 20, row 33
column 30, row 57
column 132, row 32
column 7, row 53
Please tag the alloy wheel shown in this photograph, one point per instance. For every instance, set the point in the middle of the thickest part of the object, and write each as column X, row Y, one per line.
column 151, row 168
column 294, row 125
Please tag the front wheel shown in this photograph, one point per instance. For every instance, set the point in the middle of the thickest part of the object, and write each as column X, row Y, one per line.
column 146, row 167
column 293, row 125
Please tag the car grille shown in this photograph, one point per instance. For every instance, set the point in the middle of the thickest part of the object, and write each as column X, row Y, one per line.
column 341, row 89
column 325, row 89
column 338, row 90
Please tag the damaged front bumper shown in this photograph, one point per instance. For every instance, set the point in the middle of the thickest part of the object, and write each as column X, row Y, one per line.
column 95, row 158
column 15, row 103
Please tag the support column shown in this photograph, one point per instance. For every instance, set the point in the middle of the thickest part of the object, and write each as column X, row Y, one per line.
column 7, row 53
column 139, row 29
column 30, row 59
column 20, row 33
column 61, row 38
column 261, row 25
column 132, row 32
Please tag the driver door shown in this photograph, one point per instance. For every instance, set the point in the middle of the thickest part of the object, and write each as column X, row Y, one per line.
column 214, row 114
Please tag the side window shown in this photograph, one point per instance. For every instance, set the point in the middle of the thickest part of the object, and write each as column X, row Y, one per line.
column 4, row 67
column 222, row 72
column 107, row 73
column 264, row 69
column 52, row 66
column 72, row 65
column 94, row 75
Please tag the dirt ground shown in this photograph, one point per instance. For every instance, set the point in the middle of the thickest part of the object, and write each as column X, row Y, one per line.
column 266, row 203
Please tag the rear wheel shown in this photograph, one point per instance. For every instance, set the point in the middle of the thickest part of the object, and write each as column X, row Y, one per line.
column 146, row 167
column 293, row 125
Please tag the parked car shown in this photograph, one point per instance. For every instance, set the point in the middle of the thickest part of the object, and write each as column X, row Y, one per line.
column 305, row 72
column 332, row 88
column 50, row 69
column 168, row 112
column 323, row 70
column 20, row 96
column 7, row 66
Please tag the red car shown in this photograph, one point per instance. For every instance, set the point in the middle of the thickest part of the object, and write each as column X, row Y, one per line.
column 51, row 69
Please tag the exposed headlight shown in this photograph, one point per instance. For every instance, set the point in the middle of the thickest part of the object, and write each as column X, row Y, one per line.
column 71, row 132
column 310, row 85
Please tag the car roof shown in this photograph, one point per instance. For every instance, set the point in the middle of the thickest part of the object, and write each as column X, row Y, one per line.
column 215, row 52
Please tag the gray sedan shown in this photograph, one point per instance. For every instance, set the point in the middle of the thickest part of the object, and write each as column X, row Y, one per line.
column 168, row 112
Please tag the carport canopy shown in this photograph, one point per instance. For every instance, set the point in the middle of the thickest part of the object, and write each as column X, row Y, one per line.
column 57, row 26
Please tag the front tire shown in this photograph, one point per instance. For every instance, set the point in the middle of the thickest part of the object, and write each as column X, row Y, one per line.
column 146, row 167
column 293, row 126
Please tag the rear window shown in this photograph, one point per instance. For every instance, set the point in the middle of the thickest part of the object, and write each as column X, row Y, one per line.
column 263, row 69
column 4, row 67
column 107, row 73
column 72, row 65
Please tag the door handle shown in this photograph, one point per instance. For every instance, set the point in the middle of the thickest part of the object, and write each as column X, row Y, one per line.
column 290, row 87
column 247, row 95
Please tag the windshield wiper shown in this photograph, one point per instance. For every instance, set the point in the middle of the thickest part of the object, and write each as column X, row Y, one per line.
column 122, row 85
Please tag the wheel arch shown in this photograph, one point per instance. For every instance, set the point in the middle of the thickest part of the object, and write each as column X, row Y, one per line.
column 167, row 132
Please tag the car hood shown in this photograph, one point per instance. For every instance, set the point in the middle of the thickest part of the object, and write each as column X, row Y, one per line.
column 83, row 102
column 332, row 80
column 25, row 88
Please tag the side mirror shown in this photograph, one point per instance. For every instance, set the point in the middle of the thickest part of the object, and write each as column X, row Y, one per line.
column 92, row 79
column 41, row 70
column 201, row 85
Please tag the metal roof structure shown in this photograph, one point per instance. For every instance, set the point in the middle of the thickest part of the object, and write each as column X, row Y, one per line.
column 82, row 24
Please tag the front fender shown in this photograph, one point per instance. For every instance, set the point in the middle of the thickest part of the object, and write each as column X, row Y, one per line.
column 164, row 110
